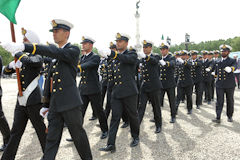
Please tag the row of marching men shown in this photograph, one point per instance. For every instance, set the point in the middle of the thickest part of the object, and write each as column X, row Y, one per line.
column 187, row 71
column 64, row 102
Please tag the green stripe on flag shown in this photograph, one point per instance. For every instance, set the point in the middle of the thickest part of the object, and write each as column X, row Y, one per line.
column 8, row 8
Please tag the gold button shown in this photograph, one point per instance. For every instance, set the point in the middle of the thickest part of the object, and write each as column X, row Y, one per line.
column 85, row 82
column 24, row 89
column 119, row 76
column 120, row 82
column 54, row 66
column 56, row 72
column 59, row 80
column 60, row 88
column 23, row 82
column 53, row 82
column 22, row 75
column 54, row 90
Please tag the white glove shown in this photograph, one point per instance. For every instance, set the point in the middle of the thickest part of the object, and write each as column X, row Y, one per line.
column 12, row 65
column 105, row 52
column 13, row 47
column 207, row 69
column 44, row 112
column 18, row 64
column 180, row 60
column 213, row 73
column 228, row 69
column 162, row 62
column 141, row 55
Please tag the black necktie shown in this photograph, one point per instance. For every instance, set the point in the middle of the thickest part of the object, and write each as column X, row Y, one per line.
column 83, row 57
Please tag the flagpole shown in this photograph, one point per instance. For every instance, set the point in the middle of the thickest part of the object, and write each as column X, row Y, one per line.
column 17, row 69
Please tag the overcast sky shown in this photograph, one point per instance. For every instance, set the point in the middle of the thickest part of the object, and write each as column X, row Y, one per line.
column 102, row 19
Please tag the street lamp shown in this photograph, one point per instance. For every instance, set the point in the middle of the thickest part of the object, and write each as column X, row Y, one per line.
column 169, row 41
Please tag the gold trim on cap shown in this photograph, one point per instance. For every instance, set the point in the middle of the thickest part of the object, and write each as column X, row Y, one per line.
column 144, row 42
column 54, row 24
column 118, row 35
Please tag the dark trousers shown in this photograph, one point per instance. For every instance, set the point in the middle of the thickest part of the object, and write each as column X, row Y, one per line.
column 199, row 92
column 96, row 102
column 21, row 116
column 220, row 101
column 179, row 92
column 212, row 88
column 103, row 93
column 171, row 98
column 73, row 119
column 237, row 75
column 207, row 90
column 154, row 97
column 185, row 91
column 108, row 103
column 108, row 107
column 130, row 105
column 4, row 127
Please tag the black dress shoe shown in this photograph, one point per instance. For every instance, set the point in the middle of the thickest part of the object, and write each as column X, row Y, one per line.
column 135, row 142
column 198, row 107
column 125, row 125
column 230, row 119
column 69, row 139
column 108, row 148
column 189, row 112
column 173, row 120
column 92, row 118
column 3, row 147
column 216, row 120
column 152, row 120
column 104, row 135
column 205, row 101
column 158, row 130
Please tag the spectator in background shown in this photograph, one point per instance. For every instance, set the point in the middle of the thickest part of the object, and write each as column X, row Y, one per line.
column 237, row 71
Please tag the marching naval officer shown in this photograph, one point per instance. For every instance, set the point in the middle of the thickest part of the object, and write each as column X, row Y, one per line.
column 124, row 92
column 225, row 83
column 28, row 105
column 62, row 100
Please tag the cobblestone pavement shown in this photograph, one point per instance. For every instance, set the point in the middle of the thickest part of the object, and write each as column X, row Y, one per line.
column 193, row 137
